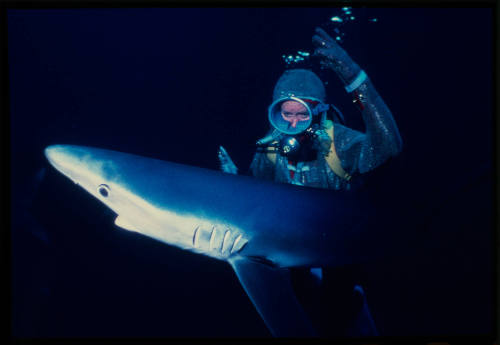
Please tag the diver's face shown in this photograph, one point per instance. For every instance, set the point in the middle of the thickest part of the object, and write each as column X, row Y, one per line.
column 293, row 112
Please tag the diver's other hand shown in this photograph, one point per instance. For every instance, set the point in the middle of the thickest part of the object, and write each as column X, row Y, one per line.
column 332, row 55
column 323, row 141
column 226, row 163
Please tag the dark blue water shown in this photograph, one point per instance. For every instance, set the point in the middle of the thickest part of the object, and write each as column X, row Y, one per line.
column 175, row 84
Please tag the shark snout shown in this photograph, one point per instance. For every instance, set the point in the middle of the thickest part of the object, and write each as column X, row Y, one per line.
column 85, row 166
column 63, row 157
column 51, row 152
column 54, row 154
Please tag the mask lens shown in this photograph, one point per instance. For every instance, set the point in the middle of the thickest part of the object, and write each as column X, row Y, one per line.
column 290, row 115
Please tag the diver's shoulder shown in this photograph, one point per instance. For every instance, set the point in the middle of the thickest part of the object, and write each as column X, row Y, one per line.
column 340, row 128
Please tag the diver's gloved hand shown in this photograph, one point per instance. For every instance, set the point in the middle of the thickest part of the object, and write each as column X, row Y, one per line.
column 321, row 140
column 226, row 163
column 333, row 56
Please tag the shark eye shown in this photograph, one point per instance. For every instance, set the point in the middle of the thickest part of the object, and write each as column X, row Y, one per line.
column 103, row 189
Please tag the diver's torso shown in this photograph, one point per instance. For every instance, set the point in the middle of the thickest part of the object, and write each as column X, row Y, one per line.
column 313, row 173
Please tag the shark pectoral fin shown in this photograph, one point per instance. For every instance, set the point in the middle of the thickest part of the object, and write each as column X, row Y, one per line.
column 125, row 224
column 271, row 293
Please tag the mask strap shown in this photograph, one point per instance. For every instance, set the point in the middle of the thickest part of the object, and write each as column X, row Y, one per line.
column 320, row 108
column 339, row 114
column 323, row 108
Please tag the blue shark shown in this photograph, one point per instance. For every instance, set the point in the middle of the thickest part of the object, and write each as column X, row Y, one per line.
column 260, row 228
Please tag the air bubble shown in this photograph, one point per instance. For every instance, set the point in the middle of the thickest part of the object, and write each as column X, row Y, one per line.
column 296, row 58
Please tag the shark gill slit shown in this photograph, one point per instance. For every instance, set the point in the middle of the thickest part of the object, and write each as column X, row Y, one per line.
column 224, row 241
column 212, row 238
column 196, row 235
column 235, row 243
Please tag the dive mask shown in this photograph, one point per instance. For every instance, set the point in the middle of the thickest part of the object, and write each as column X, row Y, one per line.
column 277, row 120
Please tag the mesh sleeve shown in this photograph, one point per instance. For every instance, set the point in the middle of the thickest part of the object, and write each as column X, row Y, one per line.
column 362, row 152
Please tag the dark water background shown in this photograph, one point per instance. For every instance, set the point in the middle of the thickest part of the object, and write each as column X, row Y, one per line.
column 175, row 84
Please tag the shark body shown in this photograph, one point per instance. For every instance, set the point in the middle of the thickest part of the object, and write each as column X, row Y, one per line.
column 261, row 228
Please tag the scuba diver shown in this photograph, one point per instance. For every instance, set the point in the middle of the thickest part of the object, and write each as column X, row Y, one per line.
column 305, row 147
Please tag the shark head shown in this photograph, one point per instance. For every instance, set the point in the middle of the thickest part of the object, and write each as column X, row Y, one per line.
column 89, row 169
column 99, row 174
column 147, row 195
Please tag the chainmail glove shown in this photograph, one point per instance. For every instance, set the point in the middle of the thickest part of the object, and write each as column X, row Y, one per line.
column 333, row 56
column 226, row 163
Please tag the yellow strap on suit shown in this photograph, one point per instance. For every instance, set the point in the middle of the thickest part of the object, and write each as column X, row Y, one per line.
column 331, row 158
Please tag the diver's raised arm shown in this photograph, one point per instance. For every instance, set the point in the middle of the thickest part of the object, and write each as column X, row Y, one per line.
column 382, row 138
